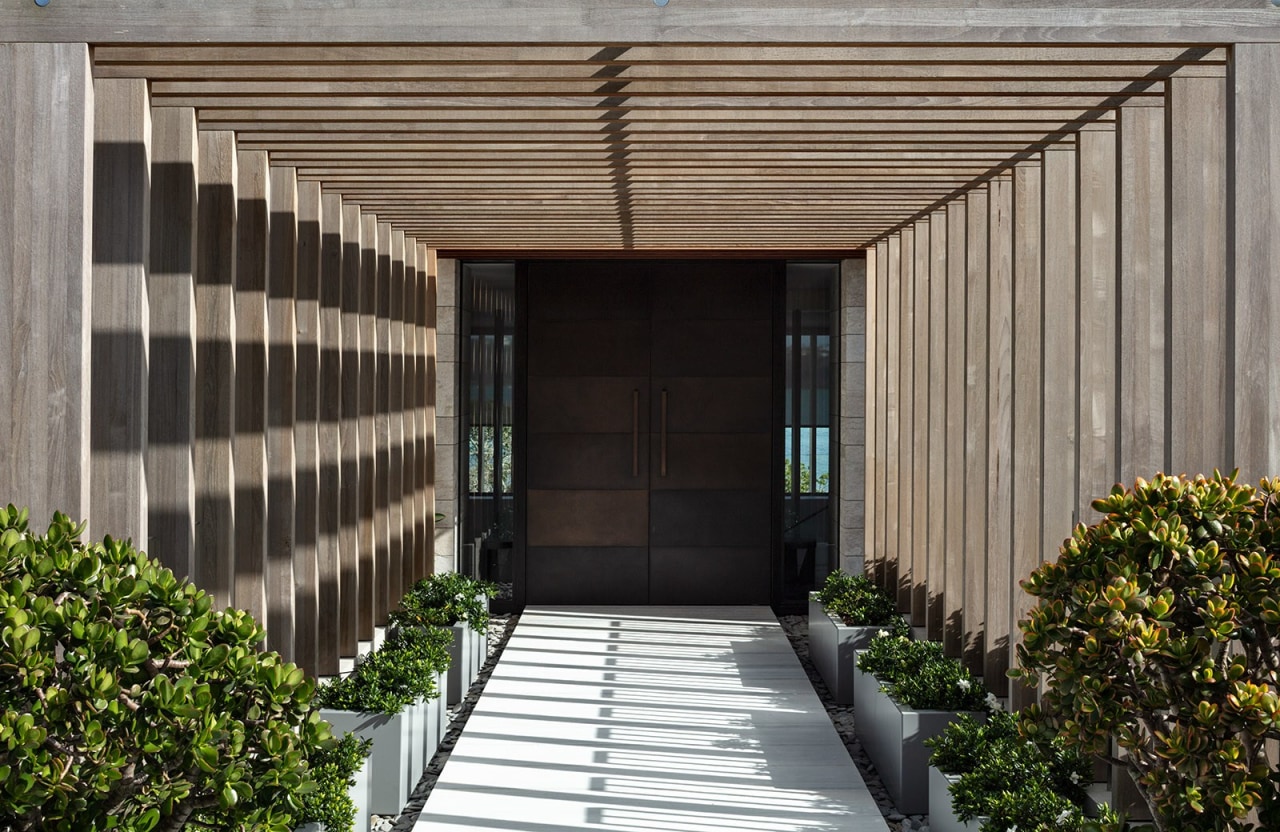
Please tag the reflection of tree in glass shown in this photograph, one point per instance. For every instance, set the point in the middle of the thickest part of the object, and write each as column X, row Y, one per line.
column 807, row 485
column 483, row 454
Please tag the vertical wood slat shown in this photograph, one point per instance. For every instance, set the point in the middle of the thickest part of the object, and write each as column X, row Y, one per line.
column 427, row 382
column 883, row 554
column 1200, row 424
column 1144, row 392
column 368, row 573
column 977, row 220
column 1060, row 344
column 395, row 413
column 905, row 396
column 215, row 272
column 171, row 394
column 308, row 617
column 251, row 383
column 412, row 484
column 386, row 572
column 351, row 534
column 120, row 309
column 1027, row 474
column 918, row 516
column 282, row 331
column 1254, row 257
column 1000, row 436
column 954, row 393
column 330, row 600
column 46, row 277
column 1098, row 461
column 935, row 470
column 872, row 363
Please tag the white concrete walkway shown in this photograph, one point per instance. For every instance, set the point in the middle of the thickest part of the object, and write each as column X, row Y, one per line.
column 644, row 719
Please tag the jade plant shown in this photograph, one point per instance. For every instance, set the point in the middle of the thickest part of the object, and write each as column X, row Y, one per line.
column 858, row 602
column 1010, row 782
column 397, row 674
column 128, row 702
column 443, row 600
column 918, row 675
column 1158, row 629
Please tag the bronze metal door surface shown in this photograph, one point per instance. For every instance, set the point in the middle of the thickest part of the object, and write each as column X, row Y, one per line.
column 650, row 425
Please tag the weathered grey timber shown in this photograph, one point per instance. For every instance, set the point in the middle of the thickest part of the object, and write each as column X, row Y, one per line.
column 309, row 622
column 892, row 384
column 386, row 572
column 1028, row 431
column 954, row 394
column 120, row 311
column 330, row 601
column 216, row 344
column 395, row 425
column 46, row 277
column 907, row 577
column 1000, row 431
column 250, row 429
column 171, row 291
column 976, row 559
column 351, row 538
column 369, row 578
column 919, row 492
column 936, row 420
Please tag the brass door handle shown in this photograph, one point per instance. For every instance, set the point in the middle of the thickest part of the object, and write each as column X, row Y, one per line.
column 635, row 433
column 662, row 465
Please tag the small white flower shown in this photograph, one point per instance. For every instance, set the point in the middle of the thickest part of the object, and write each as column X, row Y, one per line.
column 1075, row 777
column 993, row 704
column 1063, row 816
column 882, row 633
column 963, row 684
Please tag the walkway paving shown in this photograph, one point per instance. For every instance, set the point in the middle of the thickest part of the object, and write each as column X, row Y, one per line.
column 643, row 719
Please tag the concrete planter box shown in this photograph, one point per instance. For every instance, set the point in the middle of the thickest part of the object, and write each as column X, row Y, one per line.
column 480, row 643
column 893, row 737
column 942, row 817
column 360, row 791
column 390, row 764
column 461, row 658
column 833, row 648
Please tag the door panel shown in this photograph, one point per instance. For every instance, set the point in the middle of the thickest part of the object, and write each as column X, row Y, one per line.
column 606, row 341
column 571, row 575
column 588, row 518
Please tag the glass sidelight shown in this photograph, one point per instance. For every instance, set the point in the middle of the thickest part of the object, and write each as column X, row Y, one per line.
column 809, row 526
column 487, row 429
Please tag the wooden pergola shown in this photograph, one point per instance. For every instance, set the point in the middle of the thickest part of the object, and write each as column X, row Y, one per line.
column 1062, row 222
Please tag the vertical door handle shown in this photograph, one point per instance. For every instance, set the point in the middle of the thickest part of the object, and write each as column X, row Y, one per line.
column 662, row 466
column 635, row 433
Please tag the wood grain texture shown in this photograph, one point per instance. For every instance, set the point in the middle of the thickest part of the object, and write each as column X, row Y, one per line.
column 878, row 363
column 399, row 552
column 1200, row 424
column 430, row 383
column 413, row 520
column 1144, row 302
column 171, row 295
column 616, row 21
column 216, row 343
column 937, row 409
column 282, row 360
column 1096, row 425
column 919, row 352
column 250, row 427
column 330, row 600
column 120, row 310
column 1255, row 259
column 369, row 577
column 1000, row 485
column 351, row 539
column 46, row 277
column 907, row 576
column 387, row 564
column 873, row 364
column 954, row 393
column 312, row 622
column 1028, row 407
column 977, row 222
column 1060, row 345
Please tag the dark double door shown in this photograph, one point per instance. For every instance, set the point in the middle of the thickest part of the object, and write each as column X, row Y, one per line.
column 650, row 432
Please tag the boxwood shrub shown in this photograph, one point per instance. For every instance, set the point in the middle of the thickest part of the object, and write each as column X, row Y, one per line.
column 389, row 679
column 858, row 602
column 443, row 600
column 919, row 676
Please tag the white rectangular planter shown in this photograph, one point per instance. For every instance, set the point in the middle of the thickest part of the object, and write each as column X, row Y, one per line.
column 361, row 790
column 480, row 643
column 442, row 682
column 460, row 660
column 390, row 759
column 894, row 740
column 833, row 649
column 942, row 818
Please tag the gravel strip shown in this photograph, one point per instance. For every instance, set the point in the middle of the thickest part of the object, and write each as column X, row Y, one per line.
column 797, row 630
